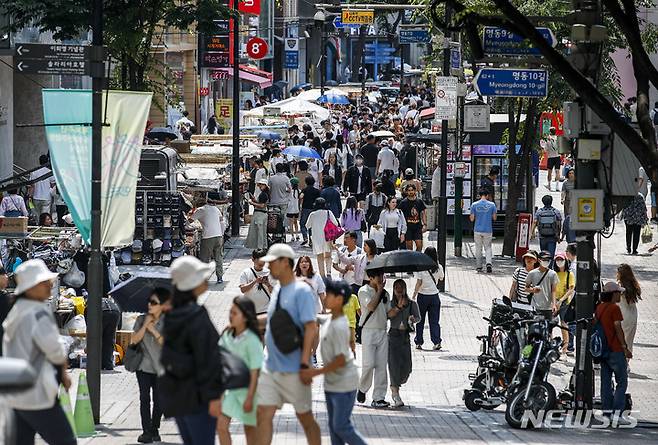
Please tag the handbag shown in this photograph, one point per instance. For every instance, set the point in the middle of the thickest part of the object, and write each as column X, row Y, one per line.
column 331, row 231
column 235, row 373
column 647, row 234
column 133, row 357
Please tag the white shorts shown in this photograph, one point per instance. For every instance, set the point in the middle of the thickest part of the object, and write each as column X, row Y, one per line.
column 277, row 388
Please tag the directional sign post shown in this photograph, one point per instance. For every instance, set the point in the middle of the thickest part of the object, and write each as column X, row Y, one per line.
column 503, row 42
column 55, row 59
column 338, row 24
column 512, row 82
column 357, row 16
column 408, row 36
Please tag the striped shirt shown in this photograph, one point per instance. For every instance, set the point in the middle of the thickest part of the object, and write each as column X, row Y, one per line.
column 520, row 275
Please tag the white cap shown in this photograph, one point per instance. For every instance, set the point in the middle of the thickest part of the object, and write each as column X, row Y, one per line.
column 262, row 181
column 279, row 251
column 611, row 286
column 188, row 272
column 31, row 273
column 409, row 171
column 157, row 245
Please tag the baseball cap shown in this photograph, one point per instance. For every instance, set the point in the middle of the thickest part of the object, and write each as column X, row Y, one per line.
column 409, row 171
column 545, row 255
column 611, row 286
column 561, row 255
column 188, row 272
column 157, row 245
column 277, row 251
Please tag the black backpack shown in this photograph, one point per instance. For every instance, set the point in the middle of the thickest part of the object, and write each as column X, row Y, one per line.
column 286, row 334
column 547, row 223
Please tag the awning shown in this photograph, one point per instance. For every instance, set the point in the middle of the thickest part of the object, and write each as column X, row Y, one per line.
column 249, row 76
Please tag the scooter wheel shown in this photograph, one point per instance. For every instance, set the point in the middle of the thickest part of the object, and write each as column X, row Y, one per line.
column 469, row 400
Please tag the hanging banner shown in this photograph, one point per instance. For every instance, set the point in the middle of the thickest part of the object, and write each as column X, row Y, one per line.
column 70, row 152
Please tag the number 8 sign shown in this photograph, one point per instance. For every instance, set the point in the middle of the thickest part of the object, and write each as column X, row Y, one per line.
column 257, row 48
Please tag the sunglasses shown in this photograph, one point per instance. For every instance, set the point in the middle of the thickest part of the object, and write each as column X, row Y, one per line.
column 154, row 302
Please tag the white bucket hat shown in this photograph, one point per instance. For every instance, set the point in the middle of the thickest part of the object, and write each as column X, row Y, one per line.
column 188, row 272
column 31, row 273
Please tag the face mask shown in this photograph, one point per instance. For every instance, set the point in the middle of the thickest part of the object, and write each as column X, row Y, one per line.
column 559, row 263
column 545, row 263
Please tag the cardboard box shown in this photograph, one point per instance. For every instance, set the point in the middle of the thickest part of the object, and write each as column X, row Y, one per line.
column 123, row 339
column 13, row 226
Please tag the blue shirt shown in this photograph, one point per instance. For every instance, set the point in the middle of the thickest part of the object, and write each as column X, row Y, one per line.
column 297, row 298
column 483, row 211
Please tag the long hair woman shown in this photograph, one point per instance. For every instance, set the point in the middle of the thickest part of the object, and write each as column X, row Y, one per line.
column 393, row 224
column 426, row 293
column 564, row 293
column 304, row 272
column 628, row 304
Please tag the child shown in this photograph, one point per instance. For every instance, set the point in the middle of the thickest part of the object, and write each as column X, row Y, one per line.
column 351, row 310
column 293, row 209
column 341, row 376
column 378, row 235
column 242, row 339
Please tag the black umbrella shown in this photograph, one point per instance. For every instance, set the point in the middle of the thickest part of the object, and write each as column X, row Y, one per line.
column 161, row 133
column 133, row 294
column 401, row 261
column 280, row 84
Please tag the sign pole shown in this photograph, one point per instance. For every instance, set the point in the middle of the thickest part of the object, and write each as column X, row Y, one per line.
column 235, row 161
column 401, row 68
column 441, row 224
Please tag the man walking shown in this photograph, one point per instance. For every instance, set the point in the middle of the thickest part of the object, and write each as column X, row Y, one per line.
column 483, row 213
column 358, row 180
column 547, row 223
column 292, row 309
column 553, row 158
column 375, row 304
column 280, row 190
column 414, row 211
column 212, row 240
column 541, row 285
column 369, row 151
column 386, row 159
column 40, row 190
column 351, row 262
column 255, row 282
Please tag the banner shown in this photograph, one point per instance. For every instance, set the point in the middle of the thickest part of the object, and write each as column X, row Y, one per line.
column 125, row 113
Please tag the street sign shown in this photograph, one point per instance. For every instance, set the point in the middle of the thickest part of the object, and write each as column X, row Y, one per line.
column 338, row 24
column 256, row 48
column 476, row 118
column 380, row 60
column 455, row 57
column 215, row 43
column 55, row 59
column 215, row 60
column 446, row 98
column 511, row 82
column 291, row 59
column 414, row 36
column 501, row 41
column 249, row 6
column 357, row 17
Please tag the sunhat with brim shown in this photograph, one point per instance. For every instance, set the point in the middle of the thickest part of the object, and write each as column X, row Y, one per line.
column 611, row 286
column 530, row 255
column 279, row 251
column 560, row 255
column 188, row 272
column 31, row 273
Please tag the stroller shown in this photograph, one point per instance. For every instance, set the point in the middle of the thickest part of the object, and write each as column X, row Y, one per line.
column 275, row 230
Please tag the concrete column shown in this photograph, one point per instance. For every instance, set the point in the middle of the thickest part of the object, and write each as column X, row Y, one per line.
column 6, row 118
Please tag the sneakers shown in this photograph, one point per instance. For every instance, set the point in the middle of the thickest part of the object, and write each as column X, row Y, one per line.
column 360, row 397
column 437, row 347
column 489, row 268
column 145, row 438
column 220, row 280
column 419, row 347
column 380, row 404
column 397, row 401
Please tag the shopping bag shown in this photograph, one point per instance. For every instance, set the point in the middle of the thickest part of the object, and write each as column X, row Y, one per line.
column 647, row 234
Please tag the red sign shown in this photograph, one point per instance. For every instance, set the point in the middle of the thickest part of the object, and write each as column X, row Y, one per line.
column 249, row 6
column 219, row 75
column 256, row 48
column 203, row 91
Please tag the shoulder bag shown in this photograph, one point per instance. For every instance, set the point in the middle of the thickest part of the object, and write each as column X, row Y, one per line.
column 331, row 231
column 286, row 334
column 235, row 373
column 133, row 357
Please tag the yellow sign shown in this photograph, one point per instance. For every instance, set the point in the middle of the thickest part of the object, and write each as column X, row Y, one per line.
column 357, row 17
column 586, row 210
column 224, row 113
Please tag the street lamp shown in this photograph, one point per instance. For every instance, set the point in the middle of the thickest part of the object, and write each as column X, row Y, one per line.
column 319, row 19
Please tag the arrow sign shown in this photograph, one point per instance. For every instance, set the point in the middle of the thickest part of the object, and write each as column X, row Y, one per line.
column 51, row 59
column 511, row 82
column 501, row 41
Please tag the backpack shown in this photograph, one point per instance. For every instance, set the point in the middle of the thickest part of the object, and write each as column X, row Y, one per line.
column 547, row 223
column 372, row 216
column 598, row 343
column 286, row 334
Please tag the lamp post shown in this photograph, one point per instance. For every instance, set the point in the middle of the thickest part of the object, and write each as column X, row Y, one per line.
column 319, row 19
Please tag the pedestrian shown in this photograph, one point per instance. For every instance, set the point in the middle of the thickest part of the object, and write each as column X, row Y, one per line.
column 351, row 261
column 568, row 186
column 386, row 159
column 547, row 224
column 31, row 334
column 358, row 180
column 13, row 205
column 280, row 380
column 488, row 182
column 483, row 214
column 280, row 190
column 304, row 272
column 242, row 338
column 609, row 314
column 255, row 282
column 257, row 235
column 317, row 221
column 554, row 161
column 426, row 293
column 340, row 374
column 403, row 315
column 308, row 196
column 369, row 151
column 375, row 304
column 628, row 304
column 635, row 217
column 293, row 209
column 40, row 189
column 333, row 169
column 542, row 283
column 212, row 239
column 302, row 172
column 190, row 389
column 353, row 219
column 45, row 220
column 564, row 293
column 518, row 292
column 374, row 204
column 414, row 211
column 5, row 301
column 331, row 196
column 260, row 175
column 211, row 126
column 388, row 183
column 410, row 179
column 147, row 333
column 393, row 223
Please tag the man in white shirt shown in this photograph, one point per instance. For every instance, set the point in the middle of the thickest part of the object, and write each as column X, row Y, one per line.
column 385, row 158
column 40, row 191
column 184, row 124
column 212, row 241
column 255, row 282
column 351, row 262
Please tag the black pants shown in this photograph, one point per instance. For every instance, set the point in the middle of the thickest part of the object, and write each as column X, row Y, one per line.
column 148, row 383
column 51, row 424
column 632, row 237
column 110, row 322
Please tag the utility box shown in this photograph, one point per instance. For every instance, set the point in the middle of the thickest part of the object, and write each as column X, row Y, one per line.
column 618, row 169
column 572, row 120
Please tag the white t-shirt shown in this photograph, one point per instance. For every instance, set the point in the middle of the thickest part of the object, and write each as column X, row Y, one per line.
column 428, row 285
column 378, row 235
column 210, row 218
column 335, row 335
column 386, row 159
column 41, row 188
column 256, row 294
column 317, row 284
column 293, row 202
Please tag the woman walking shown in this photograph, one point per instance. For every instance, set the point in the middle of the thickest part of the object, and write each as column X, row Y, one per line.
column 352, row 219
column 333, row 169
column 628, row 303
column 321, row 246
column 242, row 338
column 564, row 294
column 518, row 291
column 148, row 334
column 426, row 293
column 393, row 223
column 191, row 387
column 293, row 209
column 635, row 217
column 257, row 235
column 404, row 313
column 304, row 272
column 31, row 334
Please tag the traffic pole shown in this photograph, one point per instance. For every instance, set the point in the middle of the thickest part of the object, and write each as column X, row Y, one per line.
column 95, row 272
column 235, row 162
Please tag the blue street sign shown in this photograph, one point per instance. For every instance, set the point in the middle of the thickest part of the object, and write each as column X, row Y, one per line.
column 501, row 41
column 414, row 36
column 381, row 50
column 379, row 47
column 455, row 57
column 292, row 60
column 511, row 82
column 338, row 24
column 381, row 60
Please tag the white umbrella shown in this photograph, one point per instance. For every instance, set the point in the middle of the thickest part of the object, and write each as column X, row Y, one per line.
column 383, row 134
column 293, row 105
column 314, row 94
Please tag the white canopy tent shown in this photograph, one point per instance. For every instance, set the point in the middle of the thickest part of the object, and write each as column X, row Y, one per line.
column 314, row 94
column 291, row 106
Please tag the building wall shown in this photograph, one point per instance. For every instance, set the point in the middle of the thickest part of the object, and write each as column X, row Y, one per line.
column 6, row 118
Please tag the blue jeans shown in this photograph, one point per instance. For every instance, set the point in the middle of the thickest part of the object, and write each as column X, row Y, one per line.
column 197, row 429
column 429, row 305
column 548, row 244
column 614, row 364
column 302, row 222
column 339, row 410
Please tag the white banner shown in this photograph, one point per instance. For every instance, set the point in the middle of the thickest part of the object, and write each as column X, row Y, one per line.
column 446, row 98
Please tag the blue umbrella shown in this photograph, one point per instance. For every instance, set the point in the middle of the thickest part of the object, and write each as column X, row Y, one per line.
column 301, row 151
column 334, row 99
column 272, row 135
